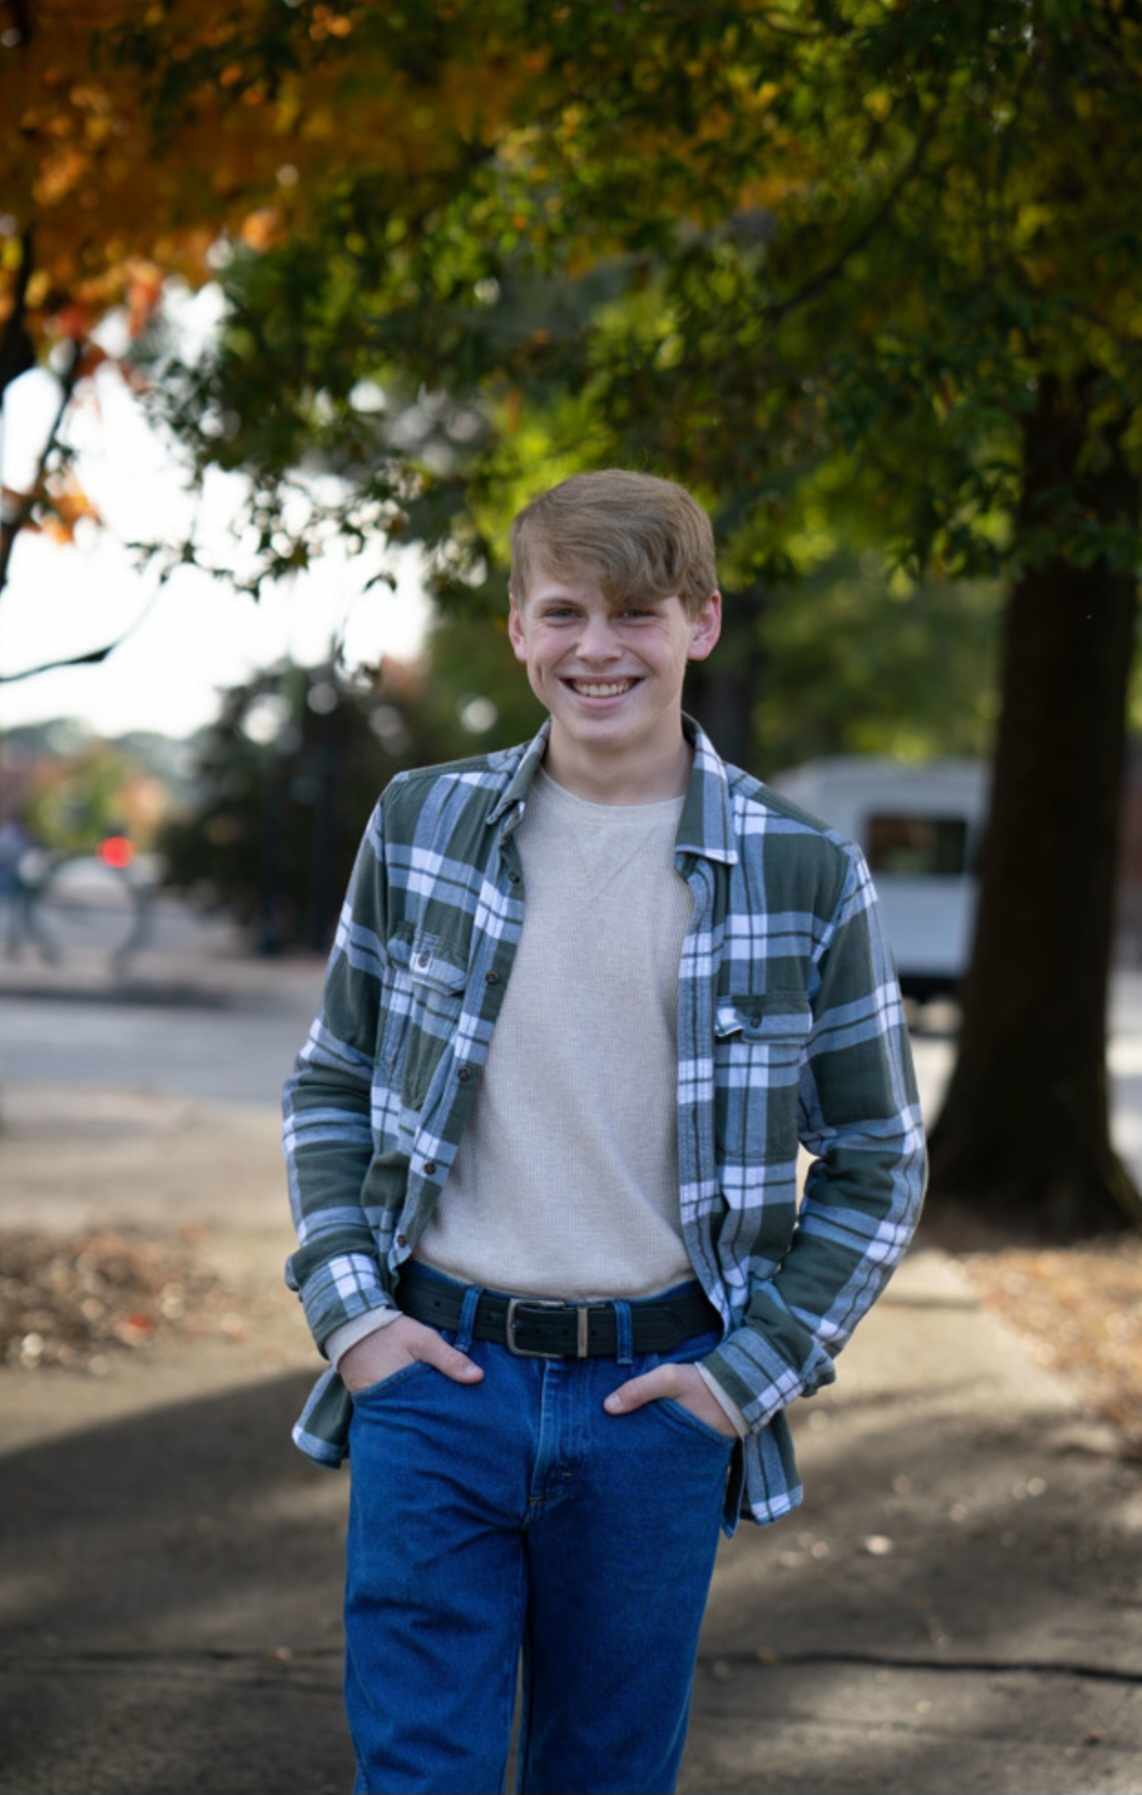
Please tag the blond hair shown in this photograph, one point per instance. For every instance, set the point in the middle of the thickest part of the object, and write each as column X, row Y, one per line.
column 637, row 534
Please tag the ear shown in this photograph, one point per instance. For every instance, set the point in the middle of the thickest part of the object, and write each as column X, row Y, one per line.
column 515, row 631
column 705, row 628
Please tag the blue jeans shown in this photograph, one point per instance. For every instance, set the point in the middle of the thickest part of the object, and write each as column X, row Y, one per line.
column 516, row 1514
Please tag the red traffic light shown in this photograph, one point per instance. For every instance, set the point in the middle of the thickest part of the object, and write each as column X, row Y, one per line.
column 116, row 851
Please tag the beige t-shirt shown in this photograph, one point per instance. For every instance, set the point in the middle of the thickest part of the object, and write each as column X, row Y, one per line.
column 565, row 1181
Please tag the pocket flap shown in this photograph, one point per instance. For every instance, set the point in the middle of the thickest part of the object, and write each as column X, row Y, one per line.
column 429, row 959
column 774, row 1016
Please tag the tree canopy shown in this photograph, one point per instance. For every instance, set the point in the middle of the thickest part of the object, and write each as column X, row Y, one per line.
column 753, row 247
column 862, row 273
column 467, row 248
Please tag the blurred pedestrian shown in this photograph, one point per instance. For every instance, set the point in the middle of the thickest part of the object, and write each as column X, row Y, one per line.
column 22, row 865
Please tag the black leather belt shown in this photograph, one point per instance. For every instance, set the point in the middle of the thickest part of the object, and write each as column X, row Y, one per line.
column 540, row 1327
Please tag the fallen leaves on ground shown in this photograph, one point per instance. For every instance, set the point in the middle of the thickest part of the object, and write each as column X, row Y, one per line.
column 1078, row 1306
column 70, row 1301
column 1081, row 1306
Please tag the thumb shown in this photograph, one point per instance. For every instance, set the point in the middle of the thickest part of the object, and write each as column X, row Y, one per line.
column 633, row 1394
column 454, row 1363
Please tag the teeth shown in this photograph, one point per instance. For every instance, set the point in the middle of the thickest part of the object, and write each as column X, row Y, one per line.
column 600, row 691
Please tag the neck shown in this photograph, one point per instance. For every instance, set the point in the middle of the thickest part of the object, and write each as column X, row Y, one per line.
column 635, row 778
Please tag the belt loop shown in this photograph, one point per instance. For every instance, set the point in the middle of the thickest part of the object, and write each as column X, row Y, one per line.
column 624, row 1350
column 468, row 1316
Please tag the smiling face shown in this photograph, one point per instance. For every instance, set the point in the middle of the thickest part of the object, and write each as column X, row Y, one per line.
column 610, row 674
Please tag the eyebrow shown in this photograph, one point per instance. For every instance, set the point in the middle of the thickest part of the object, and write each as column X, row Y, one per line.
column 569, row 598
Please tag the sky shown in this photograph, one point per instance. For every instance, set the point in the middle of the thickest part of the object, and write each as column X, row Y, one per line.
column 200, row 636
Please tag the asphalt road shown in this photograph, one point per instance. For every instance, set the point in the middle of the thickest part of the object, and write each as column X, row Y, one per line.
column 200, row 1019
column 232, row 1054
column 195, row 1016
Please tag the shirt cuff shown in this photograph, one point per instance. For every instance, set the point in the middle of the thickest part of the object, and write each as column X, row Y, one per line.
column 726, row 1402
column 337, row 1344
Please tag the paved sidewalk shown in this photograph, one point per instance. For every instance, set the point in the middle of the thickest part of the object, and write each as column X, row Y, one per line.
column 194, row 961
column 955, row 1608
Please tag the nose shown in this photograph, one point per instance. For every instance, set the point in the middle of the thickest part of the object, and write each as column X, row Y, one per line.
column 596, row 639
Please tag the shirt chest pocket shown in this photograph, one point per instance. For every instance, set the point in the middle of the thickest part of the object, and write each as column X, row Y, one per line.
column 758, row 1044
column 424, row 997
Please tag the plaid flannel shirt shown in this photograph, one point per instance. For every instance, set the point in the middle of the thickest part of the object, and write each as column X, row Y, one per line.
column 790, row 1028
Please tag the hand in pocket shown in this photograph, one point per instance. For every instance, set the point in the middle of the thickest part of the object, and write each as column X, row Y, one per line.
column 387, row 1350
column 684, row 1384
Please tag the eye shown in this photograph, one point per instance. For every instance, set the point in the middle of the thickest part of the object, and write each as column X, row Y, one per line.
column 555, row 612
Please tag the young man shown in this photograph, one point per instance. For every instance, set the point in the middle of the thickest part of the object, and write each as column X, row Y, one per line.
column 586, row 996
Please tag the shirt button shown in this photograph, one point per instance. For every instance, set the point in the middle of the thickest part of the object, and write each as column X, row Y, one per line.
column 491, row 978
column 402, row 1240
column 430, row 1165
column 464, row 1074
column 514, row 877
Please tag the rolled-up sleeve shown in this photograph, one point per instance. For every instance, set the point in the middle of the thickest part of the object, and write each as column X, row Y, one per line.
column 326, row 1103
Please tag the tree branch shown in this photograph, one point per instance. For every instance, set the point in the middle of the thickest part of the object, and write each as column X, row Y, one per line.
column 17, row 353
column 92, row 658
column 777, row 309
column 10, row 527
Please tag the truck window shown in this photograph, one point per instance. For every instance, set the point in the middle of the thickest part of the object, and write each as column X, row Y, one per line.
column 915, row 845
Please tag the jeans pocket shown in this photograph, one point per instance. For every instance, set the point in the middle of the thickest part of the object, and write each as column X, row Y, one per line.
column 384, row 1384
column 669, row 1409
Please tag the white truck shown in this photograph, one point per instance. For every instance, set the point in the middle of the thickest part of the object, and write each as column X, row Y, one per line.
column 920, row 826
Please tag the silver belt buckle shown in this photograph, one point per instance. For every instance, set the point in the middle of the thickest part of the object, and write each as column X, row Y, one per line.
column 544, row 1302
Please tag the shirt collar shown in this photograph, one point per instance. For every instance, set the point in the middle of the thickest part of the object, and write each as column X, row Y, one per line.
column 706, row 825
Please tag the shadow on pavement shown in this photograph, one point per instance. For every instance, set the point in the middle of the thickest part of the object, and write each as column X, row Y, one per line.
column 175, row 994
column 173, row 1586
column 153, row 1568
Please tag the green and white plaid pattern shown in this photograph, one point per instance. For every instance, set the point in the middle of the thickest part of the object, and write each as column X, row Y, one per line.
column 790, row 1027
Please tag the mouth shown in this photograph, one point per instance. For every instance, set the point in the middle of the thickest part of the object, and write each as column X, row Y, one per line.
column 600, row 694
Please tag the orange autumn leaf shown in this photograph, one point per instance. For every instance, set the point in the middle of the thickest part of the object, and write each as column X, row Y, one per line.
column 91, row 358
column 73, row 321
column 143, row 295
column 105, row 192
column 69, row 504
column 261, row 229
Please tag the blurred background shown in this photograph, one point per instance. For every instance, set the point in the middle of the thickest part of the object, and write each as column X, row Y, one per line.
column 299, row 303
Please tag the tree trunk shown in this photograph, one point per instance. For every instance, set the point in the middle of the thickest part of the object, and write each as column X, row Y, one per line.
column 1023, row 1134
column 17, row 355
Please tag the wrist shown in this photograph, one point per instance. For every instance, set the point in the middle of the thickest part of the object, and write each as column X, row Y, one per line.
column 342, row 1340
